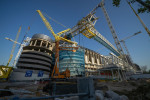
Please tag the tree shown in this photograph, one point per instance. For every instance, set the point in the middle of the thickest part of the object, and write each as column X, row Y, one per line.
column 149, row 71
column 144, row 69
column 143, row 7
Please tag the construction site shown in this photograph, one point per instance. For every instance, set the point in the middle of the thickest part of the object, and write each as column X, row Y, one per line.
column 56, row 67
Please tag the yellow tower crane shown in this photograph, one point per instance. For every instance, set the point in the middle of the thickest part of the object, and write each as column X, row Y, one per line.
column 55, row 72
column 5, row 70
column 14, row 45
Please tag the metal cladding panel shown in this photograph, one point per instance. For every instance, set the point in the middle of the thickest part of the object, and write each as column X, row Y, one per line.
column 35, row 56
column 42, row 36
column 106, row 44
column 74, row 61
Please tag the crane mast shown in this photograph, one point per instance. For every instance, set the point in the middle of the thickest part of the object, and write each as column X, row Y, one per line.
column 126, row 48
column 86, row 27
column 20, row 48
column 117, row 42
column 14, row 45
column 123, row 41
column 25, row 42
column 147, row 30
column 55, row 72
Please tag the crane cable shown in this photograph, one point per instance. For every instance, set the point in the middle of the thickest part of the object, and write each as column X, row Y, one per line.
column 57, row 23
column 27, row 30
column 54, row 20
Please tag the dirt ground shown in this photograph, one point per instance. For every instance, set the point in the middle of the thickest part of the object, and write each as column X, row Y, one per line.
column 21, row 89
column 34, row 89
column 133, row 89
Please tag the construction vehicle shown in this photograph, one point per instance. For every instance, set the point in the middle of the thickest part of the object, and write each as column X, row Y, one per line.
column 6, row 70
column 55, row 73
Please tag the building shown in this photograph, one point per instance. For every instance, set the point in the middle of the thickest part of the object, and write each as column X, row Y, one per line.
column 35, row 61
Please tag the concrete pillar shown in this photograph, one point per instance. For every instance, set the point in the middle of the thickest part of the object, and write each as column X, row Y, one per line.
column 100, row 60
column 46, row 44
column 31, row 43
column 35, row 42
column 41, row 43
column 49, row 46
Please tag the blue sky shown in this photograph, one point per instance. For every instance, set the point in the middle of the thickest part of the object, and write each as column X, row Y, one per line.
column 68, row 12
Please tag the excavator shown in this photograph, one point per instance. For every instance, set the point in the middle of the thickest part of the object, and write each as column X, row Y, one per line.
column 55, row 73
column 6, row 70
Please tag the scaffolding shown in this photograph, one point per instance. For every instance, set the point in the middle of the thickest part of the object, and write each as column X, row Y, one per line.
column 74, row 61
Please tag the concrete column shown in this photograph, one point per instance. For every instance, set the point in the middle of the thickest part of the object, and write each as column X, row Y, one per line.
column 41, row 43
column 92, row 59
column 46, row 44
column 35, row 42
column 99, row 60
column 31, row 43
column 49, row 46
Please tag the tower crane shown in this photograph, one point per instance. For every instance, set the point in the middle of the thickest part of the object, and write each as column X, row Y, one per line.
column 117, row 42
column 55, row 72
column 123, row 41
column 5, row 70
column 14, row 45
column 86, row 27
column 24, row 43
column 147, row 30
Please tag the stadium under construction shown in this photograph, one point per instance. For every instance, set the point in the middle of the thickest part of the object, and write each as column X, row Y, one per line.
column 41, row 57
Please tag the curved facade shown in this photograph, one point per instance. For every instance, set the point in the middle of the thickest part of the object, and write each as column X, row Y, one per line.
column 35, row 61
column 74, row 61
column 37, row 55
